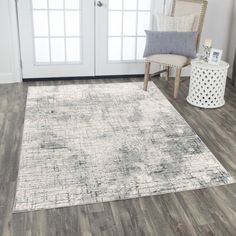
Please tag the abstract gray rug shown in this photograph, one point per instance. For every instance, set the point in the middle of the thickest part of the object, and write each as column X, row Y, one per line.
column 94, row 143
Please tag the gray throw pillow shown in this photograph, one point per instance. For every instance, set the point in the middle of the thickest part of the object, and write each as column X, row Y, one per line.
column 179, row 43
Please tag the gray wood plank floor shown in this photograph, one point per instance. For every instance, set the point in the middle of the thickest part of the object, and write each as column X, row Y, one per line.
column 209, row 211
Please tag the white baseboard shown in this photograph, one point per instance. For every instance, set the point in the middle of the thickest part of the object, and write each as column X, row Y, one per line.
column 6, row 78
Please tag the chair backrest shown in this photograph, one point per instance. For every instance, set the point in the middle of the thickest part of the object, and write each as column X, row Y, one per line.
column 195, row 7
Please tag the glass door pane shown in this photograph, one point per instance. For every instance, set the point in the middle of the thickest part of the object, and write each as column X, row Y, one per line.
column 56, row 27
column 127, row 22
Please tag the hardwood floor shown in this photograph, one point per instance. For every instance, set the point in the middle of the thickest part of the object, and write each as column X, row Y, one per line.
column 209, row 211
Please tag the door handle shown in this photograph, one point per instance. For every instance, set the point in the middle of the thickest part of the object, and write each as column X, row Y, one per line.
column 99, row 4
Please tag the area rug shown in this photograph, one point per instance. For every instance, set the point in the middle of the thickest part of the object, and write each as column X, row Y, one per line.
column 95, row 143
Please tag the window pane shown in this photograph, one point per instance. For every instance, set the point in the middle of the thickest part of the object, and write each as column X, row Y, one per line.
column 72, row 23
column 72, row 4
column 73, row 49
column 55, row 4
column 129, row 24
column 144, row 5
column 140, row 47
column 115, row 4
column 130, row 4
column 143, row 22
column 39, row 4
column 128, row 48
column 57, row 50
column 56, row 23
column 42, row 50
column 114, row 49
column 40, row 23
column 115, row 23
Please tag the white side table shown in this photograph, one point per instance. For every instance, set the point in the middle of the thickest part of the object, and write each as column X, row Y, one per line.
column 207, row 84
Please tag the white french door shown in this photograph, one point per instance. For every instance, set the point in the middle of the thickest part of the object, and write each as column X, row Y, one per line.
column 120, row 36
column 67, row 38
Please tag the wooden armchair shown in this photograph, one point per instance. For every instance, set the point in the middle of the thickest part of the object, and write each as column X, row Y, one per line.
column 179, row 8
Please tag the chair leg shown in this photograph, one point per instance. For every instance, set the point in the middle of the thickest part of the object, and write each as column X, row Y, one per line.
column 177, row 82
column 147, row 75
column 167, row 73
column 234, row 70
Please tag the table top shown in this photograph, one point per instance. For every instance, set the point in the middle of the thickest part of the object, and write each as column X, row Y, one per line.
column 207, row 66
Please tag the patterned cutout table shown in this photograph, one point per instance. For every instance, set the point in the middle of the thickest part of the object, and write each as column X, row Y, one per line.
column 207, row 84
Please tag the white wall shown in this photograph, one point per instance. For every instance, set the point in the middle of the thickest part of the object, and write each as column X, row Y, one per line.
column 232, row 41
column 9, row 54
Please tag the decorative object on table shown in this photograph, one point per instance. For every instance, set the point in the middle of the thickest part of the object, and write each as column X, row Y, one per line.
column 215, row 56
column 207, row 84
column 181, row 43
column 91, row 150
column 179, row 8
column 205, row 50
column 208, row 43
